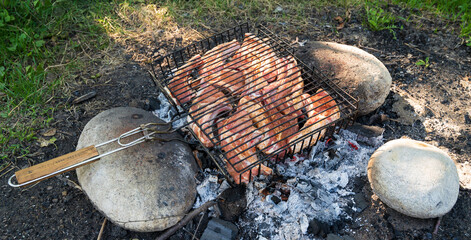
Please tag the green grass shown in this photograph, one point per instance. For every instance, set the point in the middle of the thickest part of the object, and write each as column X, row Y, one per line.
column 452, row 10
column 377, row 18
column 424, row 63
column 40, row 49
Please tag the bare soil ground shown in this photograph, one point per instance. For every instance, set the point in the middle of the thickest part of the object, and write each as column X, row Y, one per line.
column 425, row 103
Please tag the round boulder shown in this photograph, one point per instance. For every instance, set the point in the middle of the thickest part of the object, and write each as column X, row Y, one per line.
column 356, row 71
column 414, row 178
column 147, row 187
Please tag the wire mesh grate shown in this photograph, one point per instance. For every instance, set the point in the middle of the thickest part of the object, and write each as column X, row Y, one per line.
column 249, row 101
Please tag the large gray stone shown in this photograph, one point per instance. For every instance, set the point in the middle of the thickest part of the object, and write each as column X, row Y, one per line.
column 356, row 71
column 414, row 178
column 148, row 187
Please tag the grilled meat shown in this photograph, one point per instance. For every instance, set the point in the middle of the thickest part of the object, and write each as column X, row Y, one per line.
column 257, row 61
column 179, row 86
column 238, row 140
column 215, row 59
column 229, row 79
column 271, row 142
column 210, row 102
column 322, row 110
column 293, row 84
column 280, row 100
column 285, row 125
column 272, row 97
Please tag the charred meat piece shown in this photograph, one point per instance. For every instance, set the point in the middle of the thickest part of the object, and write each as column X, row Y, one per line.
column 180, row 86
column 239, row 140
column 209, row 103
column 322, row 110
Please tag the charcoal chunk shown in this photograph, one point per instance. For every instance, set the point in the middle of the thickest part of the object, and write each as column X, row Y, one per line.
column 232, row 203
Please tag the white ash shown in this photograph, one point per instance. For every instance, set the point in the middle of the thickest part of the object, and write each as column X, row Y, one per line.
column 167, row 112
column 209, row 188
column 321, row 188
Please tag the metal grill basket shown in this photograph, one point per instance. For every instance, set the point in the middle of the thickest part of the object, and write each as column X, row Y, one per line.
column 244, row 114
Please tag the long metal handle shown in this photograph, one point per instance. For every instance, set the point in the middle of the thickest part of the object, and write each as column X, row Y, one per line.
column 83, row 156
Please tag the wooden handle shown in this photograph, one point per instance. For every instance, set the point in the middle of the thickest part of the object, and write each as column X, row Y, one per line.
column 55, row 164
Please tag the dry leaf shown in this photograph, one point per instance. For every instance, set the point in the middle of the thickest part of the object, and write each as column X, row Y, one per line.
column 348, row 14
column 340, row 26
column 339, row 19
column 44, row 143
column 49, row 132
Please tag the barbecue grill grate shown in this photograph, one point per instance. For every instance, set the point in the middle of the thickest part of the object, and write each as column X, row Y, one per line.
column 250, row 106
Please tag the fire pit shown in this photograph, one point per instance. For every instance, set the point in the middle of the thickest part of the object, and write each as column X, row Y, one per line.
column 249, row 102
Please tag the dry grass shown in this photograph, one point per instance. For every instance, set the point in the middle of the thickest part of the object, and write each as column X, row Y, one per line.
column 146, row 30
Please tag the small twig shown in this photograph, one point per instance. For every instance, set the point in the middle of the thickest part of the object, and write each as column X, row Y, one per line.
column 7, row 171
column 392, row 129
column 84, row 97
column 58, row 65
column 83, row 50
column 1, row 170
column 437, row 225
column 416, row 48
column 100, row 234
column 192, row 235
column 197, row 226
column 185, row 220
column 63, row 54
column 69, row 182
column 431, row 110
